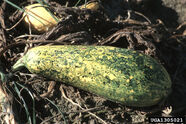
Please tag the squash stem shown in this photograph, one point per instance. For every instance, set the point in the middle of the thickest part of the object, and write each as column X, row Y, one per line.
column 18, row 65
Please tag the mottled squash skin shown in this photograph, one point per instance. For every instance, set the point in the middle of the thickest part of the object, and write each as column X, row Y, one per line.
column 117, row 74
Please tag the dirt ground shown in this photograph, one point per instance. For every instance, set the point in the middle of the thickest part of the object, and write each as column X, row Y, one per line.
column 35, row 99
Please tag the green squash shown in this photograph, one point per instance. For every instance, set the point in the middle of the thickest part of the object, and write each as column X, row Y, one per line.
column 117, row 74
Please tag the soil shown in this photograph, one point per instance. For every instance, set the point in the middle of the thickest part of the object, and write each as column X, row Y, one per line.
column 116, row 23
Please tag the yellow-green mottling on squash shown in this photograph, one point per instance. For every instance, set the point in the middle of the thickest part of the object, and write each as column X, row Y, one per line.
column 117, row 74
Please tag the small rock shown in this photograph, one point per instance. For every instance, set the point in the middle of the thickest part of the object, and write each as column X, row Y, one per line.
column 179, row 6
